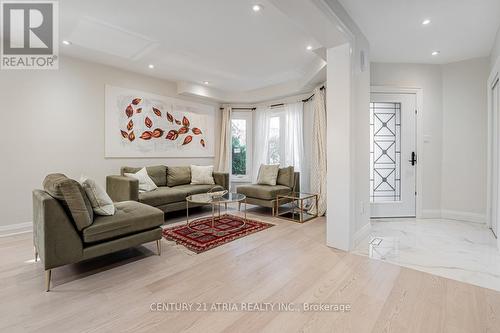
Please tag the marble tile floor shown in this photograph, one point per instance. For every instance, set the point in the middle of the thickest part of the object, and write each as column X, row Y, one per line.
column 456, row 250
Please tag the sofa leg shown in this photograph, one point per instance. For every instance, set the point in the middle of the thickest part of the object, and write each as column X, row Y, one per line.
column 48, row 276
column 158, row 246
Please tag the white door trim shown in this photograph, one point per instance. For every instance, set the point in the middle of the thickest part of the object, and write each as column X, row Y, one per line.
column 420, row 135
column 493, row 137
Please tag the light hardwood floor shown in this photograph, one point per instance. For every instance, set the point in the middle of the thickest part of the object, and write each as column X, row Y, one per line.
column 287, row 263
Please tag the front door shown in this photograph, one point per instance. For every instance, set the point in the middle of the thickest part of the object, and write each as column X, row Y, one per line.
column 393, row 160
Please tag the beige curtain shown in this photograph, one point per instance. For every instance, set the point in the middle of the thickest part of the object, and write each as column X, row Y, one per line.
column 225, row 141
column 318, row 153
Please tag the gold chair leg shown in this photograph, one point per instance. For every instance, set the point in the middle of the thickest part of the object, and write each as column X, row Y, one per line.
column 48, row 276
column 158, row 246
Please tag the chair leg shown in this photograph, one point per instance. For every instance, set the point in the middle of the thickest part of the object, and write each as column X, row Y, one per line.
column 48, row 276
column 36, row 254
column 239, row 206
column 158, row 246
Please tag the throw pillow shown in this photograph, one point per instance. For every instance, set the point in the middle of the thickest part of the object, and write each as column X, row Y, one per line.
column 268, row 173
column 286, row 177
column 146, row 184
column 99, row 199
column 73, row 196
column 178, row 175
column 202, row 175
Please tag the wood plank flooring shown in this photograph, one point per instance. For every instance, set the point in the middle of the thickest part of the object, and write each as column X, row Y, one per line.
column 288, row 263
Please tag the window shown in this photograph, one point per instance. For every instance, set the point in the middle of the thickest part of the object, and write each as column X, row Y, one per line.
column 276, row 151
column 241, row 146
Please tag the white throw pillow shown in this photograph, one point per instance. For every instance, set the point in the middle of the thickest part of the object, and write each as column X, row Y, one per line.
column 202, row 175
column 146, row 184
column 268, row 174
column 99, row 199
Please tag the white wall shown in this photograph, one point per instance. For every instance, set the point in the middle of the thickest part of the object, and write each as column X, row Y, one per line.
column 53, row 121
column 495, row 51
column 429, row 78
column 465, row 139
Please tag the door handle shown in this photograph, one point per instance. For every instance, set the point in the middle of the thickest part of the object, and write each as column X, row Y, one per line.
column 413, row 160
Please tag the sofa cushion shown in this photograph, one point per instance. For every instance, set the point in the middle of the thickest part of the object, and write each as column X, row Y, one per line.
column 286, row 176
column 72, row 196
column 268, row 174
column 130, row 217
column 265, row 192
column 191, row 189
column 179, row 175
column 158, row 173
column 162, row 196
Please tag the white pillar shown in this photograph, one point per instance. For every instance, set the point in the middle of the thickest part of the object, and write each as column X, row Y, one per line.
column 340, row 184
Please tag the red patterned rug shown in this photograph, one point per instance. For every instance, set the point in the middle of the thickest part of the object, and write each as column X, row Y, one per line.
column 200, row 237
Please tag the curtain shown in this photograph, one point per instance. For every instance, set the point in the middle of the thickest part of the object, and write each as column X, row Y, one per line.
column 261, row 139
column 318, row 156
column 293, row 139
column 305, row 176
column 225, row 141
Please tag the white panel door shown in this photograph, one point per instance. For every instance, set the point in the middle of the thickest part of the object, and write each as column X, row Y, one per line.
column 393, row 159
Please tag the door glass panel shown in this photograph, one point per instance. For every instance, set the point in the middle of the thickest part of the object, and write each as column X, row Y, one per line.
column 385, row 152
column 239, row 147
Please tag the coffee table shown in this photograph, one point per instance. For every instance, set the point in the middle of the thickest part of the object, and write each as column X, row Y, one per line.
column 216, row 202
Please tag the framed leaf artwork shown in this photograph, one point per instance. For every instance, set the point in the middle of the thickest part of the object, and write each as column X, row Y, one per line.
column 140, row 124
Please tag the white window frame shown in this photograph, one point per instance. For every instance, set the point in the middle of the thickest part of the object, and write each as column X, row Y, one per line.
column 247, row 116
column 280, row 113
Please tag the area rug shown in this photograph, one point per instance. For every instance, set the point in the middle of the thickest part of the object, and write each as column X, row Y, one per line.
column 226, row 230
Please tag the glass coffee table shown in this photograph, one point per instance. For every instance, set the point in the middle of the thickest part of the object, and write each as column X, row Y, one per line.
column 296, row 211
column 216, row 202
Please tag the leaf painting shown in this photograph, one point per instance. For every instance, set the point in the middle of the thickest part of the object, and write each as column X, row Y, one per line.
column 129, row 111
column 148, row 122
column 130, row 125
column 157, row 133
column 136, row 101
column 138, row 110
column 183, row 130
column 172, row 135
column 187, row 140
column 202, row 142
column 196, row 131
column 146, row 135
column 131, row 136
column 170, row 118
column 124, row 134
column 185, row 121
column 178, row 122
column 157, row 111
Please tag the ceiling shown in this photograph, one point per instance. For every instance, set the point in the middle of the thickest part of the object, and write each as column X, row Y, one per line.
column 220, row 41
column 459, row 29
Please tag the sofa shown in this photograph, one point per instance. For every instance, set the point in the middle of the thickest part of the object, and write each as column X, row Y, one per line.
column 174, row 185
column 66, row 231
column 287, row 182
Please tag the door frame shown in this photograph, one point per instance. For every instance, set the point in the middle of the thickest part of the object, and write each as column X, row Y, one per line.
column 493, row 142
column 419, row 139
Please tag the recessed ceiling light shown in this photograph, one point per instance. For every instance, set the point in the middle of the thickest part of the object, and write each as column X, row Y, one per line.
column 151, row 66
column 206, row 82
column 257, row 8
column 426, row 21
column 309, row 47
column 435, row 53
column 66, row 42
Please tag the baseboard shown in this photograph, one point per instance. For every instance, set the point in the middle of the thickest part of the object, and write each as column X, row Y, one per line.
column 13, row 229
column 463, row 216
column 361, row 234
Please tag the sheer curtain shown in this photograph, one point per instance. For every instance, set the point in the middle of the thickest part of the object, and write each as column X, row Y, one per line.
column 293, row 139
column 261, row 139
column 225, row 141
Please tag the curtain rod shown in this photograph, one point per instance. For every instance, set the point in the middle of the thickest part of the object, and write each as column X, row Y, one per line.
column 240, row 109
column 309, row 98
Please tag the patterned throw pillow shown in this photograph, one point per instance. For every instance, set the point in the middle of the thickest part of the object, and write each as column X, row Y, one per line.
column 268, row 173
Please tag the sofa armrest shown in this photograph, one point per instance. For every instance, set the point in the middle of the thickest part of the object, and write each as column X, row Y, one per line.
column 54, row 234
column 222, row 179
column 296, row 182
column 121, row 188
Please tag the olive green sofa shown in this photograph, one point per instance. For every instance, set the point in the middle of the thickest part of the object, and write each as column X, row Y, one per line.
column 174, row 185
column 287, row 182
column 60, row 238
